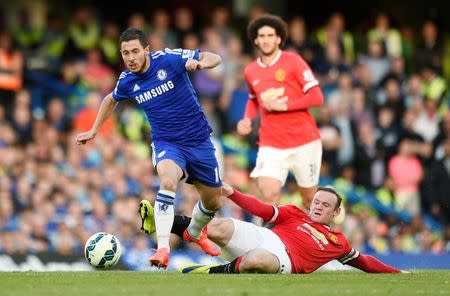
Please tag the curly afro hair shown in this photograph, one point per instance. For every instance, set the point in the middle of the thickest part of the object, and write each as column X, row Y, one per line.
column 269, row 20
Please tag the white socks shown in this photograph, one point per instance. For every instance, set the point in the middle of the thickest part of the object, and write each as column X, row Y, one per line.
column 200, row 217
column 164, row 215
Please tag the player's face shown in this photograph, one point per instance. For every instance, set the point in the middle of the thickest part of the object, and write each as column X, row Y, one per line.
column 323, row 207
column 134, row 55
column 267, row 40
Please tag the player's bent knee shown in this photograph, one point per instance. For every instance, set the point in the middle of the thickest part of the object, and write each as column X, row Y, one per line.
column 220, row 230
column 259, row 261
column 270, row 194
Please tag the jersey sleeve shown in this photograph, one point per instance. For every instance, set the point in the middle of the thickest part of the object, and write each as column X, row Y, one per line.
column 178, row 57
column 251, row 92
column 304, row 75
column 120, row 91
column 283, row 213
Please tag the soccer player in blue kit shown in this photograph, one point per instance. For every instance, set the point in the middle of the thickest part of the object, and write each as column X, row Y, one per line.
column 182, row 148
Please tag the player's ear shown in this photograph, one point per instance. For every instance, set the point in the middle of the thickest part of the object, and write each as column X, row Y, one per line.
column 147, row 49
column 337, row 211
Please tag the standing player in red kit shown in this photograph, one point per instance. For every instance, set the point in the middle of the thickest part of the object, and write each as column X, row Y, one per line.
column 282, row 87
column 298, row 242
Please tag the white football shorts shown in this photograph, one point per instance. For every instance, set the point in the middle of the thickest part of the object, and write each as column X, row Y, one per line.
column 248, row 236
column 303, row 161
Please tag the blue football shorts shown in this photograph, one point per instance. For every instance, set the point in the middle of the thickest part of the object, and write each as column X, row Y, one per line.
column 198, row 161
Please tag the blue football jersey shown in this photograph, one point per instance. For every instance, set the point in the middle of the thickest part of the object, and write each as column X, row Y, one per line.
column 167, row 96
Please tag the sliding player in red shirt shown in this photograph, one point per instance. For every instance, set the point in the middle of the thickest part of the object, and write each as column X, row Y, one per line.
column 298, row 242
column 282, row 87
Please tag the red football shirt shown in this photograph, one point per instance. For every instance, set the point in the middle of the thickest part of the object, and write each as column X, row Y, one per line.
column 287, row 76
column 309, row 244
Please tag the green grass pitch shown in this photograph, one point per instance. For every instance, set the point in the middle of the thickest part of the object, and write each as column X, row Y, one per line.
column 171, row 283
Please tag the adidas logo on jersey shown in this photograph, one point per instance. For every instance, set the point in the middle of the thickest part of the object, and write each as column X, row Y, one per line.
column 136, row 87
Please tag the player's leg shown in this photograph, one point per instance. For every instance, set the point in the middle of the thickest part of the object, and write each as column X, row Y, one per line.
column 169, row 174
column 169, row 166
column 271, row 171
column 270, row 189
column 203, row 171
column 203, row 212
column 221, row 230
column 262, row 251
column 307, row 194
column 239, row 238
column 306, row 169
column 259, row 261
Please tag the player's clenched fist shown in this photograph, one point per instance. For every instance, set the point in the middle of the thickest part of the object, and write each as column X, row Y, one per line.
column 227, row 190
column 84, row 137
column 244, row 126
column 193, row 65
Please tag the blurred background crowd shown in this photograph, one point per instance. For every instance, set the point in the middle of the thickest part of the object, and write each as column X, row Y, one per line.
column 385, row 126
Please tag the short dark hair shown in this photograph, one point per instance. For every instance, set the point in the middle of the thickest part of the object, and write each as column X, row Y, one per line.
column 333, row 191
column 269, row 20
column 134, row 34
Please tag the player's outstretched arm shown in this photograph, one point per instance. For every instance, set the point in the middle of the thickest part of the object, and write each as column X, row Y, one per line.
column 249, row 203
column 209, row 60
column 371, row 264
column 106, row 109
column 206, row 60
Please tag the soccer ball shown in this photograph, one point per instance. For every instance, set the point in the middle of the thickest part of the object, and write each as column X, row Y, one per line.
column 102, row 250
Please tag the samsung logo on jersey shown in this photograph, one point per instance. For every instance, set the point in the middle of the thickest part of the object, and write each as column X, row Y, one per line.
column 154, row 92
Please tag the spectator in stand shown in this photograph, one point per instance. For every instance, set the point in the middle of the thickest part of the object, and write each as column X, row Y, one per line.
column 376, row 59
column 406, row 172
column 84, row 119
column 137, row 20
column 109, row 45
column 421, row 148
column 342, row 119
column 413, row 93
column 363, row 78
column 184, row 24
column 369, row 158
column 391, row 37
column 334, row 32
column 161, row 26
column 96, row 74
column 330, row 66
column 299, row 41
column 430, row 50
column 57, row 116
column 387, row 131
column 220, row 21
column 11, row 70
column 84, row 33
column 437, row 186
column 331, row 139
column 434, row 87
column 427, row 122
column 360, row 111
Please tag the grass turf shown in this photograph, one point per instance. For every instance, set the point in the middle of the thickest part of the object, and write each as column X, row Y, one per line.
column 171, row 283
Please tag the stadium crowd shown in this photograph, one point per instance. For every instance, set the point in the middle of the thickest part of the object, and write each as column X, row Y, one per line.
column 385, row 128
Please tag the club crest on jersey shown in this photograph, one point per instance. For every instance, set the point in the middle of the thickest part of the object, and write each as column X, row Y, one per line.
column 333, row 237
column 280, row 75
column 161, row 74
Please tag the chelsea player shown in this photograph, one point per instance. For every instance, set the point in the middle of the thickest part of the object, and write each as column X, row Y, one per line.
column 182, row 148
